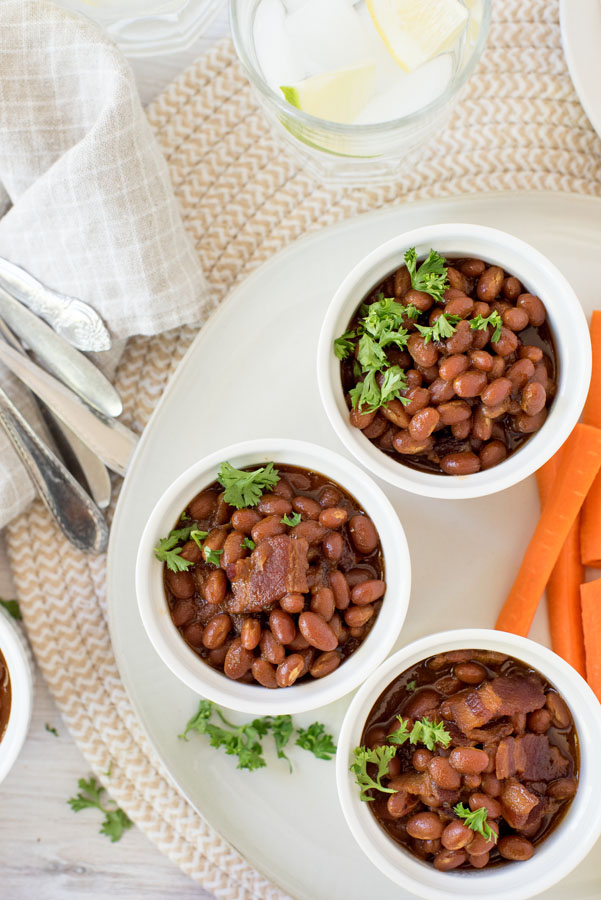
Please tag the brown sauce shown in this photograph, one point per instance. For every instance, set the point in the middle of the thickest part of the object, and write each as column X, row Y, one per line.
column 5, row 696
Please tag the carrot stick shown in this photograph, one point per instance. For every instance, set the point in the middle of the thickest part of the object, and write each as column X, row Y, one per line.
column 580, row 462
column 590, row 594
column 590, row 526
column 563, row 587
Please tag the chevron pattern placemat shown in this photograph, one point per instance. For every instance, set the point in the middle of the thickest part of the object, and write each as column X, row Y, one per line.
column 519, row 126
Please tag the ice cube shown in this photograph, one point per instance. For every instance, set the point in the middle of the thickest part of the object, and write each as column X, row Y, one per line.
column 329, row 33
column 387, row 68
column 278, row 59
column 409, row 92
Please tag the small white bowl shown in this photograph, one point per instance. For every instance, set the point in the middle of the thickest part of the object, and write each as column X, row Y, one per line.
column 554, row 857
column 539, row 276
column 212, row 683
column 17, row 655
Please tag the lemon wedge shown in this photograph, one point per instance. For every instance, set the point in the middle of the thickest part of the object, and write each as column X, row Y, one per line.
column 338, row 96
column 416, row 30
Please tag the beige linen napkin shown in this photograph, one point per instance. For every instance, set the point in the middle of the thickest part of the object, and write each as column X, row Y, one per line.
column 86, row 203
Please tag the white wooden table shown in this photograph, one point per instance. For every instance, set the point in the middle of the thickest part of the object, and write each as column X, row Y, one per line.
column 47, row 852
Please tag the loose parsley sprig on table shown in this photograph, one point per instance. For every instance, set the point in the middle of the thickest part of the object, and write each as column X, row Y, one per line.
column 245, row 741
column 246, row 488
column 89, row 797
column 476, row 820
column 169, row 553
column 379, row 756
column 424, row 731
column 12, row 608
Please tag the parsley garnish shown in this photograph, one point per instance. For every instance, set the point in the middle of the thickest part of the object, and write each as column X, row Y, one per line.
column 315, row 739
column 431, row 277
column 184, row 517
column 379, row 756
column 292, row 520
column 51, row 729
column 246, row 488
column 168, row 553
column 424, row 731
column 198, row 537
column 12, row 608
column 115, row 820
column 245, row 741
column 344, row 345
column 479, row 323
column 248, row 543
column 369, row 396
column 443, row 327
column 212, row 556
column 412, row 311
column 411, row 686
column 476, row 820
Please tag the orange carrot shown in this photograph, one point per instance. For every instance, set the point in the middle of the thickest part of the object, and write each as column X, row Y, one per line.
column 580, row 462
column 590, row 523
column 563, row 587
column 591, row 617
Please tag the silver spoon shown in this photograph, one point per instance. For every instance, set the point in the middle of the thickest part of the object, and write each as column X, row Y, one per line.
column 77, row 516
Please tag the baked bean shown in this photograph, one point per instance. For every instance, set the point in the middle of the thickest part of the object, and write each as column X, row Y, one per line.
column 445, row 860
column 461, row 430
column 515, row 318
column 423, row 423
column 267, row 527
column 443, row 773
column 515, row 847
column 562, row 789
column 469, row 760
column 329, row 496
column 299, row 643
column 529, row 351
column 272, row 505
column 250, row 633
column 215, row 587
column 340, row 589
column 496, row 392
column 363, row 534
column 402, row 281
column 428, row 373
column 426, row 826
column 519, row 373
column 441, row 391
column 498, row 367
column 418, row 398
column 184, row 611
column 560, row 713
column 192, row 552
column 216, row 631
column 460, row 306
column 462, row 463
column 333, row 545
column 482, row 426
column 470, row 672
column 534, row 398
column 447, row 685
column 399, row 804
column 322, row 602
column 421, row 759
column 193, row 634
column 422, row 703
column 310, row 530
column 307, row 507
column 491, row 785
column 203, row 505
column 480, row 861
column 481, row 359
column 181, row 584
column 481, row 309
column 472, row 267
column 293, row 603
column 512, row 288
column 356, row 576
column 244, row 520
column 394, row 411
column 282, row 625
column 289, row 670
column 357, row 632
column 414, row 378
column 533, row 307
column 316, row 631
column 456, row 279
column 335, row 623
column 507, row 343
column 492, row 807
column 471, row 782
column 360, row 419
column 461, row 340
column 238, row 660
column 480, row 845
column 264, row 672
column 325, row 663
column 216, row 657
column 452, row 366
column 419, row 299
column 271, row 649
column 422, row 353
column 356, row 616
column 528, row 424
column 233, row 548
column 404, row 443
column 539, row 721
column 333, row 517
column 456, row 835
column 368, row 592
column 454, row 411
column 490, row 283
column 283, row 489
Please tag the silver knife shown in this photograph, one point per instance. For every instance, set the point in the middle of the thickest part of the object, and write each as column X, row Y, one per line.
column 109, row 439
column 67, row 363
column 76, row 515
column 76, row 321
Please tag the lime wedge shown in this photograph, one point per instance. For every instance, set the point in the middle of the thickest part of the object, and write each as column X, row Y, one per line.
column 337, row 96
column 416, row 30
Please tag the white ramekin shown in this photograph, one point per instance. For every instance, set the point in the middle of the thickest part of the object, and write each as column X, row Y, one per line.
column 16, row 652
column 556, row 856
column 539, row 276
column 212, row 683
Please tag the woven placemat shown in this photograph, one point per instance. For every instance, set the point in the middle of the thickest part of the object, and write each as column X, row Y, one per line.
column 519, row 126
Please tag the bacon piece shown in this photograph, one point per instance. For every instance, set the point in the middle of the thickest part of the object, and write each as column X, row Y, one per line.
column 490, row 733
column 277, row 566
column 503, row 696
column 532, row 757
column 517, row 802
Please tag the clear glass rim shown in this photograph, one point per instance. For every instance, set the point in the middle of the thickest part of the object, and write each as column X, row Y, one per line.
column 352, row 130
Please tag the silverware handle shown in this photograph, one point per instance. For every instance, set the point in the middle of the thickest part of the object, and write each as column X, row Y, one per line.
column 77, row 516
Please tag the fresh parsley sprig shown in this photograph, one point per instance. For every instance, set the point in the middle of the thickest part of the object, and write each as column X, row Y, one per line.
column 430, row 277
column 344, row 345
column 198, row 537
column 476, row 820
column 368, row 395
column 479, row 323
column 248, row 543
column 317, row 740
column 246, row 488
column 424, row 731
column 291, row 520
column 212, row 556
column 89, row 797
column 12, row 608
column 380, row 757
column 169, row 553
column 443, row 327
